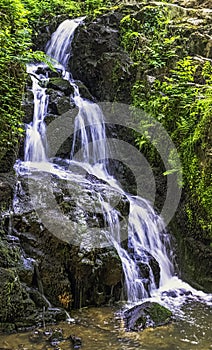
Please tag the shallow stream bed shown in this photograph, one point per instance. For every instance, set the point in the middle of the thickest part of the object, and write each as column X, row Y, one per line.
column 102, row 329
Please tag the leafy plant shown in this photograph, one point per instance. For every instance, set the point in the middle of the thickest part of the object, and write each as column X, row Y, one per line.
column 180, row 97
column 14, row 41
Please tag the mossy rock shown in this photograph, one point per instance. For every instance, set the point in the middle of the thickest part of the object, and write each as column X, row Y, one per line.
column 15, row 304
column 9, row 256
column 148, row 314
column 61, row 85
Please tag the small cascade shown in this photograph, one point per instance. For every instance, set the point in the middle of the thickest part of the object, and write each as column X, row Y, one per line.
column 35, row 143
column 10, row 223
column 148, row 247
column 93, row 138
column 147, row 231
column 59, row 47
column 40, row 285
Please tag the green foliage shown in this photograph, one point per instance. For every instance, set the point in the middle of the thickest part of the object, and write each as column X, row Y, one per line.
column 180, row 97
column 14, row 41
column 184, row 108
column 93, row 7
column 43, row 11
column 146, row 38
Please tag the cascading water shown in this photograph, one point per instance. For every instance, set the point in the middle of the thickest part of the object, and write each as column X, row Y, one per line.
column 143, row 232
column 59, row 48
column 148, row 242
column 35, row 144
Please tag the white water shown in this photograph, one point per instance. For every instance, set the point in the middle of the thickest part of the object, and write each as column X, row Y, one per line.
column 93, row 141
column 35, row 144
column 147, row 236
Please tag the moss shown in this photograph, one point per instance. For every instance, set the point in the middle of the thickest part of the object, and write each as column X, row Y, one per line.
column 180, row 97
column 174, row 86
column 159, row 314
column 9, row 256
column 14, row 302
column 147, row 314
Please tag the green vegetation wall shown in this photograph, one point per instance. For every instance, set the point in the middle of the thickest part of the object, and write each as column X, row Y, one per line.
column 172, row 57
column 14, row 41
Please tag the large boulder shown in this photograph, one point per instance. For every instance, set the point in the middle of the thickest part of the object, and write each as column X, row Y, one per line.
column 148, row 314
column 61, row 226
column 99, row 61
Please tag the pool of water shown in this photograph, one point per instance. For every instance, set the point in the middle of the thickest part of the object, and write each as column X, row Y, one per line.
column 103, row 329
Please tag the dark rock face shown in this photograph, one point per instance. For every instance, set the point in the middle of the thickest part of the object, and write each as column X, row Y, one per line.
column 144, row 267
column 8, row 159
column 148, row 314
column 61, row 85
column 14, row 300
column 99, row 61
column 51, row 266
column 74, row 268
column 190, row 251
column 6, row 191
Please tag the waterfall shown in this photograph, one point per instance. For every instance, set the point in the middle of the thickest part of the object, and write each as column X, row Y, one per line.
column 146, row 231
column 148, row 243
column 59, row 48
column 35, row 144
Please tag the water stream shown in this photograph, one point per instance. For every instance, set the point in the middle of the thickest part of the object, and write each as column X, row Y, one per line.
column 101, row 329
column 148, row 239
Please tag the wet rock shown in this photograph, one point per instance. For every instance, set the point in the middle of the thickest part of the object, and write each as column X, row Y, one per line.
column 176, row 293
column 70, row 264
column 171, row 294
column 15, row 304
column 60, row 133
column 99, row 61
column 76, row 341
column 52, row 337
column 84, row 92
column 148, row 314
column 58, row 102
column 36, row 337
column 6, row 191
column 38, row 298
column 61, row 85
column 145, row 261
column 28, row 106
column 26, row 270
column 113, row 272
column 56, row 337
column 48, row 72
column 50, row 118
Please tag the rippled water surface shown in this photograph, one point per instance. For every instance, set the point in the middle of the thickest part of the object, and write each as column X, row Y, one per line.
column 102, row 329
